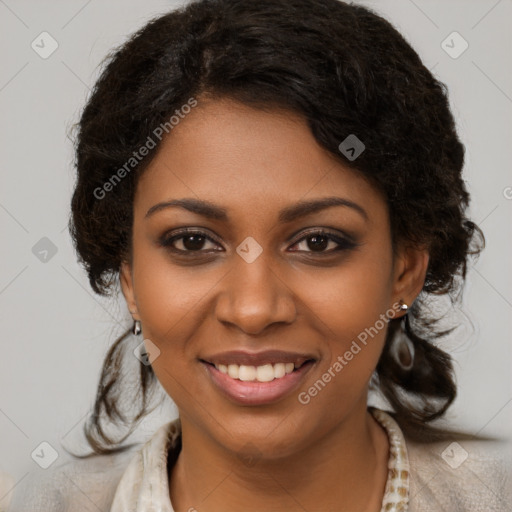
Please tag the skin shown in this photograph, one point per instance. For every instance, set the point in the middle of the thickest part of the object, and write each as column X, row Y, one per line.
column 292, row 297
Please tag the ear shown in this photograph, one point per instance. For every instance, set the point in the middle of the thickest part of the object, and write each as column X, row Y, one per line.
column 126, row 279
column 410, row 269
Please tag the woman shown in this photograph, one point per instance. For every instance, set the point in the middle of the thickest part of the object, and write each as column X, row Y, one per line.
column 276, row 188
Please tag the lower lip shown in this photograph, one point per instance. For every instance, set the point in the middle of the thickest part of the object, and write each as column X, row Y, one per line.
column 257, row 393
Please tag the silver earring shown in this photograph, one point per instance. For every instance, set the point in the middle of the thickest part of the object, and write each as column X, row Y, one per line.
column 137, row 329
column 403, row 306
column 402, row 351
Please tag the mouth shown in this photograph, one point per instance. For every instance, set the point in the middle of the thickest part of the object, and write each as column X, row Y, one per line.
column 263, row 373
column 271, row 376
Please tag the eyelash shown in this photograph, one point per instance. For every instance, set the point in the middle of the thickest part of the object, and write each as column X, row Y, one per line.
column 343, row 243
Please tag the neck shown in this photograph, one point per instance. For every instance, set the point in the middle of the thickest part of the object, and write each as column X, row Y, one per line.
column 349, row 465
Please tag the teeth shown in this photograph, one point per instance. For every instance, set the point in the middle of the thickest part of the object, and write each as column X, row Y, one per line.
column 233, row 371
column 279, row 370
column 247, row 372
column 264, row 373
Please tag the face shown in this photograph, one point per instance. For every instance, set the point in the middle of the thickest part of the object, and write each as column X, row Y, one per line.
column 245, row 278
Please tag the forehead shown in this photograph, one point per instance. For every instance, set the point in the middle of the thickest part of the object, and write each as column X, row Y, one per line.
column 245, row 158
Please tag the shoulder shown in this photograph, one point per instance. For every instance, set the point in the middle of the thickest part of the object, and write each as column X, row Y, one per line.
column 77, row 484
column 460, row 475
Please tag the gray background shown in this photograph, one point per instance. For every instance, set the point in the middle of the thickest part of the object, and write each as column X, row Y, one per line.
column 55, row 331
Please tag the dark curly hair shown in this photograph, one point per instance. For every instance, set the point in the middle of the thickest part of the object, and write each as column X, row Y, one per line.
column 346, row 70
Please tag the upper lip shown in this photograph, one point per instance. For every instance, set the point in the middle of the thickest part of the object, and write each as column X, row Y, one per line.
column 240, row 357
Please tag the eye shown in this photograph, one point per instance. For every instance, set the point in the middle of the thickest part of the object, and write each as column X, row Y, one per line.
column 318, row 241
column 188, row 241
column 194, row 241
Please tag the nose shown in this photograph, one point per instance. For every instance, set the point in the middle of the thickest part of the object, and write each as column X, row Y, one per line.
column 254, row 296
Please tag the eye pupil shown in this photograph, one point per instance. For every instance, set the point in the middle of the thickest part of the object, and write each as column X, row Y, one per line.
column 317, row 242
column 193, row 242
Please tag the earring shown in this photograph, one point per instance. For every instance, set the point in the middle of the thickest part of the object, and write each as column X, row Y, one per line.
column 403, row 306
column 137, row 329
column 402, row 351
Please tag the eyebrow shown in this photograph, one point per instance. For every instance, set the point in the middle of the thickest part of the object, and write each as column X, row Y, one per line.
column 288, row 214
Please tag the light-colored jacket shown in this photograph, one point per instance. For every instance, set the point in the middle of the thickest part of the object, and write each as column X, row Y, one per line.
column 466, row 476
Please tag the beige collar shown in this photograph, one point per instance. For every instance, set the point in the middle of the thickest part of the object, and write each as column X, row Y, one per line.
column 144, row 486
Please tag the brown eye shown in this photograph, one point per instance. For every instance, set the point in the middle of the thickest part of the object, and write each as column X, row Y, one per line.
column 188, row 241
column 193, row 242
column 319, row 241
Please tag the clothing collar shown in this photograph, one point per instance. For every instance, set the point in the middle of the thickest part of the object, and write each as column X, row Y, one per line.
column 144, row 486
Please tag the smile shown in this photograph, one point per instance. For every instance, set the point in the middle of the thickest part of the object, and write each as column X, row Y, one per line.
column 272, row 376
column 264, row 373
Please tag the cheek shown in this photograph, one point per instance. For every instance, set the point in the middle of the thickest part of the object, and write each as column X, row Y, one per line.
column 351, row 296
column 169, row 296
column 170, row 301
column 350, row 307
